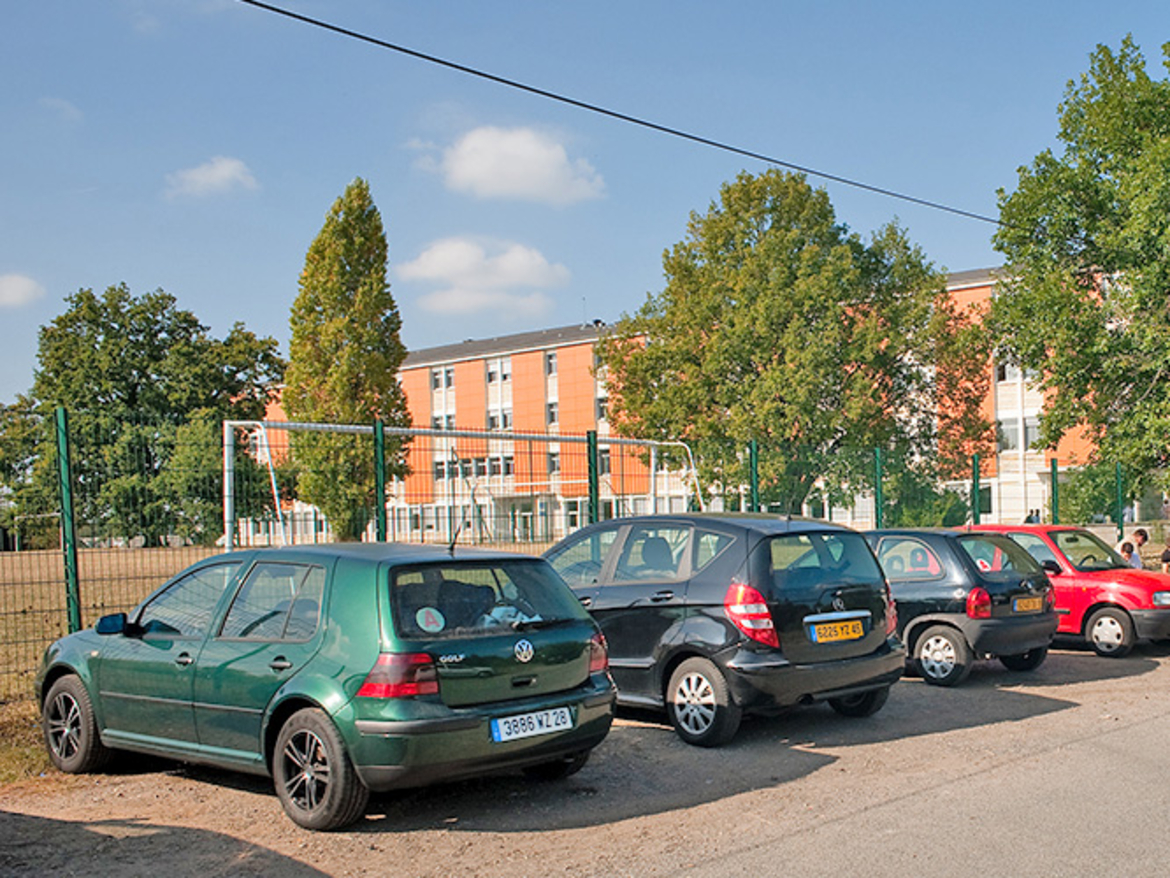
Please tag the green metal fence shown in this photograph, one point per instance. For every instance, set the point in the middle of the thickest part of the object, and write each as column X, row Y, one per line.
column 105, row 512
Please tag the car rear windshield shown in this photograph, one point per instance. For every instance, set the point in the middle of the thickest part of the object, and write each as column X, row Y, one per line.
column 462, row 598
column 811, row 559
column 998, row 557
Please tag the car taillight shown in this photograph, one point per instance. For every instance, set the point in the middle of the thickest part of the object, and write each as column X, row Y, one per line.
column 401, row 675
column 979, row 604
column 748, row 612
column 598, row 654
column 1050, row 599
column 891, row 613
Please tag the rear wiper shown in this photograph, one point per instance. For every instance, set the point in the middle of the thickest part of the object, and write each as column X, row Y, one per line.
column 530, row 624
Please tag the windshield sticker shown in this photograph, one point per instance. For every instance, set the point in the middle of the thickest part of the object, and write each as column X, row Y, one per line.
column 430, row 620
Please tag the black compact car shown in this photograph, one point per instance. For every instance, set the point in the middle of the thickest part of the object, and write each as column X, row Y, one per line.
column 966, row 596
column 710, row 616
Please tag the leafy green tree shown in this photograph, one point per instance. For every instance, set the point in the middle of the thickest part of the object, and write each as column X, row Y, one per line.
column 343, row 362
column 777, row 324
column 1085, row 302
column 131, row 371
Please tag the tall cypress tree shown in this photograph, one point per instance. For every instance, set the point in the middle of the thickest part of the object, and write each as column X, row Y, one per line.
column 343, row 361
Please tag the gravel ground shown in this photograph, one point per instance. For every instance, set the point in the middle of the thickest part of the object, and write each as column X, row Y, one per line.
column 1062, row 771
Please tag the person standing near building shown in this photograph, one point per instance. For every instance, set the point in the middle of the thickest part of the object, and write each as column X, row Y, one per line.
column 1139, row 538
column 1166, row 556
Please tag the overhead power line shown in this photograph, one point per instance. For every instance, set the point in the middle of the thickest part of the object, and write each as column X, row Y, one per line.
column 623, row 117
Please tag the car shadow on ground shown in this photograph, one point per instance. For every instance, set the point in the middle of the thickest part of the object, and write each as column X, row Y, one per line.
column 1069, row 663
column 37, row 846
column 643, row 767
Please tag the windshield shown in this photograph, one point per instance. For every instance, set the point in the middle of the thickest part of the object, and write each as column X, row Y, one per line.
column 1085, row 551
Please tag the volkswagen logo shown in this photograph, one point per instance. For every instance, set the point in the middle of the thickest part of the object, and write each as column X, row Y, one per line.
column 838, row 603
column 524, row 651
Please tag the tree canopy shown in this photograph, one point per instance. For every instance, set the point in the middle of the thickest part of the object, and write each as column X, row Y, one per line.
column 1085, row 302
column 777, row 324
column 343, row 360
column 141, row 379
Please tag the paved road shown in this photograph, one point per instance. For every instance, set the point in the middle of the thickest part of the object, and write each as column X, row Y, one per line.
column 1064, row 771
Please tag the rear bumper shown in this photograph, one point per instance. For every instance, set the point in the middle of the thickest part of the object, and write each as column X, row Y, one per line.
column 390, row 754
column 1009, row 636
column 762, row 680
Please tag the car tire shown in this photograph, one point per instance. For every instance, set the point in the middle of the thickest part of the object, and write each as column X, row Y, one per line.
column 862, row 704
column 1025, row 661
column 700, row 705
column 70, row 728
column 942, row 656
column 1110, row 632
column 314, row 777
column 558, row 769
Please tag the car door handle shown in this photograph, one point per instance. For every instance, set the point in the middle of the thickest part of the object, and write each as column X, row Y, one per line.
column 659, row 597
column 183, row 658
column 280, row 663
column 585, row 600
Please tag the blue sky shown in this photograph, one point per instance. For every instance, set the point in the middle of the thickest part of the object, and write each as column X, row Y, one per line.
column 196, row 145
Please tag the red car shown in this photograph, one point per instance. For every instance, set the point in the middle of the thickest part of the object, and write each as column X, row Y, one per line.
column 1098, row 595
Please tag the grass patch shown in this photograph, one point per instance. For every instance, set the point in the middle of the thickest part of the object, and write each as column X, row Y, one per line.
column 22, row 750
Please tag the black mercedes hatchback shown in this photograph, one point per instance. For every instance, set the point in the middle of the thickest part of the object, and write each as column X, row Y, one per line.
column 712, row 616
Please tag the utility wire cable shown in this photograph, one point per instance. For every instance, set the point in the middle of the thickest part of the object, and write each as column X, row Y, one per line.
column 623, row 117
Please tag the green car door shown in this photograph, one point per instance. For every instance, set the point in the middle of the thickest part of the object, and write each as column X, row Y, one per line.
column 156, row 654
column 271, row 630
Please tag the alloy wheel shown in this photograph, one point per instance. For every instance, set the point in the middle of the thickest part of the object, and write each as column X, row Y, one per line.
column 694, row 703
column 64, row 721
column 306, row 770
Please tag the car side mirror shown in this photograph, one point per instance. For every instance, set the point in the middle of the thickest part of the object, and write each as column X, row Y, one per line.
column 112, row 624
column 1050, row 567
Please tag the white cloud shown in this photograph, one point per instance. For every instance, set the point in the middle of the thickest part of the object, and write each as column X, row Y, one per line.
column 509, row 278
column 219, row 175
column 63, row 109
column 518, row 163
column 16, row 290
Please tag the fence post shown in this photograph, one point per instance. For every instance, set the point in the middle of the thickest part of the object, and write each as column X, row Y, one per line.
column 594, row 478
column 229, row 487
column 1120, row 500
column 380, row 480
column 754, row 469
column 975, row 488
column 68, row 533
column 1055, row 494
column 879, row 501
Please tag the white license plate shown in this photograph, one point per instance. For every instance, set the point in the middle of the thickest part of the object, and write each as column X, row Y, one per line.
column 528, row 725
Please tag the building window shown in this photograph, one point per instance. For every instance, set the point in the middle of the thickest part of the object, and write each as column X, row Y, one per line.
column 436, row 379
column 551, row 414
column 449, row 422
column 602, row 408
column 550, row 363
column 437, row 422
column 603, row 464
column 506, row 419
column 509, row 466
column 493, row 371
column 554, row 462
column 449, row 376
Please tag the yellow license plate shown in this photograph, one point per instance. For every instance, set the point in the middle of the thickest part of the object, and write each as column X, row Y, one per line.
column 827, row 632
column 1027, row 605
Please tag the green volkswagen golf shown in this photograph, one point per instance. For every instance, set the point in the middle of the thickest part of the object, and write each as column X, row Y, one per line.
column 338, row 670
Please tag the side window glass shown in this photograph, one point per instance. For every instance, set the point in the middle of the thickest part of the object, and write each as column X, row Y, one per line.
column 262, row 609
column 906, row 558
column 580, row 562
column 708, row 546
column 652, row 553
column 185, row 609
column 1035, row 546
